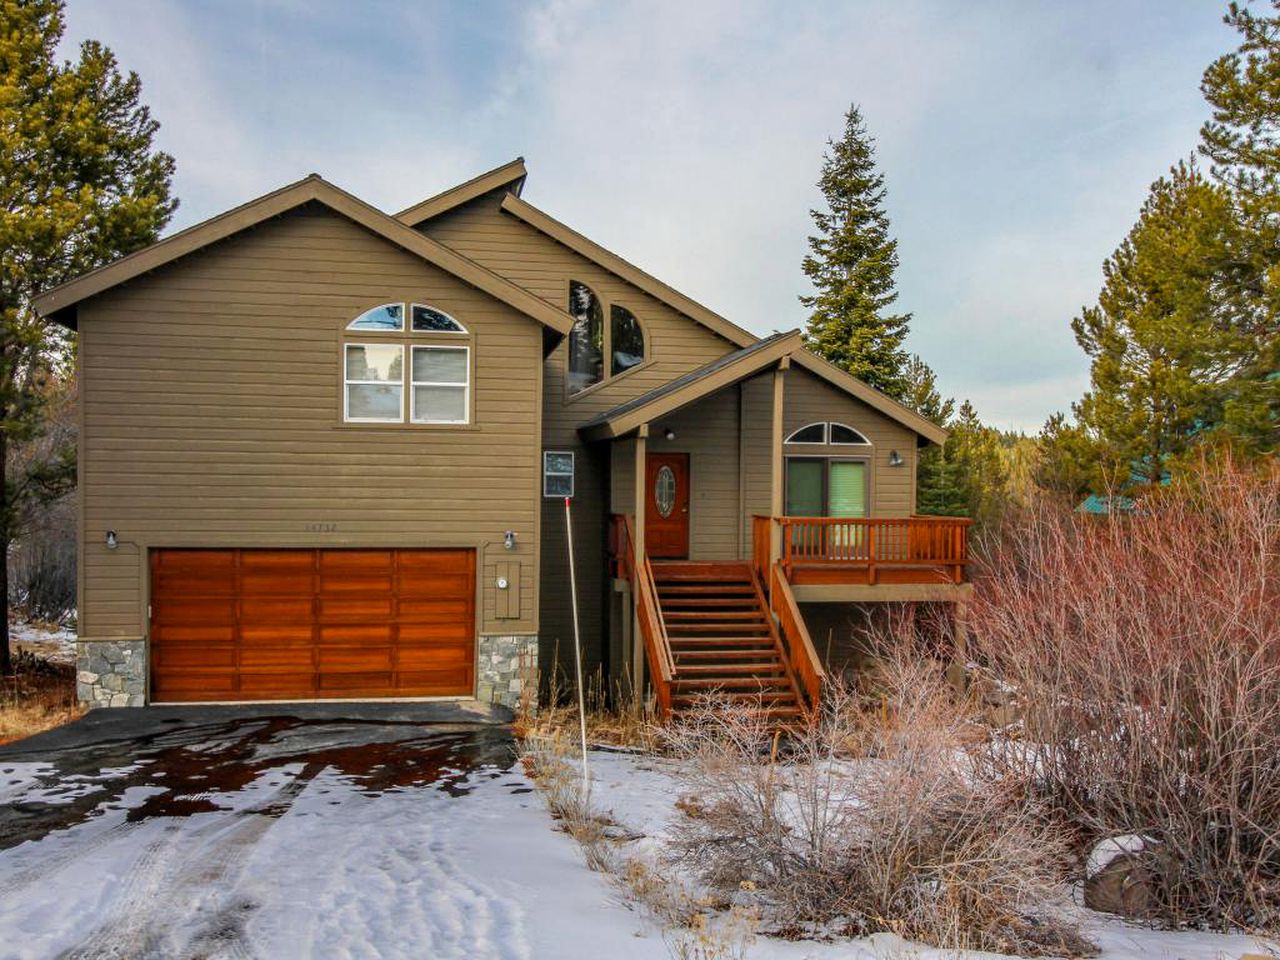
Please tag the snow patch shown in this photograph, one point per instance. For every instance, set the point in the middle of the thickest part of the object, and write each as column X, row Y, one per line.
column 1113, row 847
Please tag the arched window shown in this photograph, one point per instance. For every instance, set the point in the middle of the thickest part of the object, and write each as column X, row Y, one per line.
column 813, row 433
column 627, row 339
column 847, row 435
column 389, row 316
column 600, row 350
column 432, row 387
column 430, row 320
column 586, row 338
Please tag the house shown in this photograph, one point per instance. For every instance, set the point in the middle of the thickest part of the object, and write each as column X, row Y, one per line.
column 325, row 450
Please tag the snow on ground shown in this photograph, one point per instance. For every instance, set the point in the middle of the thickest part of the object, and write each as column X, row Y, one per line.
column 302, row 859
column 640, row 793
column 57, row 644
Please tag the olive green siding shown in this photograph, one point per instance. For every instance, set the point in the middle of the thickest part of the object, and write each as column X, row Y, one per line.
column 675, row 344
column 212, row 416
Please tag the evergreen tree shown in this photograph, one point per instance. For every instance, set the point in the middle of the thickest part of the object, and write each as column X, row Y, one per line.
column 1069, row 460
column 851, row 264
column 80, row 185
column 1169, row 363
column 1243, row 142
column 937, row 489
column 977, row 468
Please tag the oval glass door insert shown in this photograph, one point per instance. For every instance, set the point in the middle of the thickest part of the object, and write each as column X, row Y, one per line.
column 664, row 490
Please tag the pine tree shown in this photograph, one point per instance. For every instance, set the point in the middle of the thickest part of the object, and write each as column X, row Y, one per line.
column 1170, row 365
column 851, row 264
column 1243, row 142
column 937, row 489
column 80, row 185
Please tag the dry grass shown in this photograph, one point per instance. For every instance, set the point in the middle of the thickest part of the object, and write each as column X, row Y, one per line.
column 872, row 820
column 39, row 696
column 615, row 716
column 1143, row 656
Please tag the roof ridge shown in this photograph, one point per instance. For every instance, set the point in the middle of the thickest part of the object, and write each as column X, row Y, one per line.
column 513, row 171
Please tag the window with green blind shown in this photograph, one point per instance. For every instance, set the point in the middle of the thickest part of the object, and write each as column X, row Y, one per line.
column 820, row 487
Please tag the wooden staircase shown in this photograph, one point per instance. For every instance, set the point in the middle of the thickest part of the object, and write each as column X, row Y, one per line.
column 723, row 639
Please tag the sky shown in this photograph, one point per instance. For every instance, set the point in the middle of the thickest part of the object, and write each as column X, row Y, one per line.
column 1017, row 139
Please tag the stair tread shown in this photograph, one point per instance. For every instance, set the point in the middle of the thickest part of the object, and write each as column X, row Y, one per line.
column 729, row 654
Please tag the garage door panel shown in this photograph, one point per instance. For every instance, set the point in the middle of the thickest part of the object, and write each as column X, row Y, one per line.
column 179, row 634
column 426, row 657
column 358, row 609
column 276, row 610
column 357, row 684
column 275, row 685
column 292, row 657
column 302, row 624
column 435, row 683
column 376, row 633
column 192, row 686
column 205, row 655
column 253, row 634
column 355, row 658
column 194, row 612
column 426, row 584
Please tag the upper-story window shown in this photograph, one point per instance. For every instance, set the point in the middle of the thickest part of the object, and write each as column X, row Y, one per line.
column 836, row 434
column 436, row 381
column 599, row 350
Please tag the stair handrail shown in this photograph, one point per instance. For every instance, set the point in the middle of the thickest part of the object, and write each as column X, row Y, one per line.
column 653, row 628
column 802, row 656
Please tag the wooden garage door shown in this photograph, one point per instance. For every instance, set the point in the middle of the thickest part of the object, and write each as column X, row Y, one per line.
column 303, row 624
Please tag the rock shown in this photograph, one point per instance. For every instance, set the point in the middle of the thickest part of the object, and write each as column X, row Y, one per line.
column 1122, row 877
column 86, row 676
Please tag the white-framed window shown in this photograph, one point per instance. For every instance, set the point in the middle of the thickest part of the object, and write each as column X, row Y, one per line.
column 373, row 382
column 812, row 433
column 389, row 318
column 842, row 434
column 425, row 319
column 441, row 383
column 557, row 473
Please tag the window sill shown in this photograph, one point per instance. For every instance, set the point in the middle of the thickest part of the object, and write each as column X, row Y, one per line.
column 595, row 387
column 426, row 427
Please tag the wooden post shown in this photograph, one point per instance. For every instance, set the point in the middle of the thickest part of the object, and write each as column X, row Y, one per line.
column 641, row 499
column 776, row 461
column 958, row 672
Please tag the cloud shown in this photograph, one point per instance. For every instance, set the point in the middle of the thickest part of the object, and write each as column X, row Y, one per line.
column 1018, row 140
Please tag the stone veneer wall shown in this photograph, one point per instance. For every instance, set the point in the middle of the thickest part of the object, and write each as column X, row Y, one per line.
column 111, row 673
column 505, row 667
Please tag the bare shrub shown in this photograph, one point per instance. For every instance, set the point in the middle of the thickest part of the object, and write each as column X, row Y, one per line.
column 616, row 715
column 871, row 819
column 549, row 762
column 1143, row 653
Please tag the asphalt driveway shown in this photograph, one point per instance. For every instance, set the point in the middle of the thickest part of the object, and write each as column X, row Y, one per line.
column 324, row 830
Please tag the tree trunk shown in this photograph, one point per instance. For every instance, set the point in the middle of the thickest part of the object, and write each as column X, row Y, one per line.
column 6, row 657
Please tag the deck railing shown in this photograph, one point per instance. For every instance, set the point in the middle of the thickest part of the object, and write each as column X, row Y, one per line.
column 801, row 656
column 938, row 544
column 644, row 593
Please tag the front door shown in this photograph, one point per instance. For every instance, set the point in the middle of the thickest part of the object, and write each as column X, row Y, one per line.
column 666, row 509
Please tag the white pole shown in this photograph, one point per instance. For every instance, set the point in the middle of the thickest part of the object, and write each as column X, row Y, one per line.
column 577, row 650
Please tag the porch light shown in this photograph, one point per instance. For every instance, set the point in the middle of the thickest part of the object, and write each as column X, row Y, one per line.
column 895, row 458
column 112, row 540
column 509, row 539
column 669, row 433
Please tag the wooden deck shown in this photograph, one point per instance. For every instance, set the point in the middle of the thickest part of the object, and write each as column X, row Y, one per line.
column 864, row 551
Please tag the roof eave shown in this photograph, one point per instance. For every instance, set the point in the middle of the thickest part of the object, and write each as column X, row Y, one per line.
column 62, row 298
column 661, row 406
column 511, row 175
column 544, row 223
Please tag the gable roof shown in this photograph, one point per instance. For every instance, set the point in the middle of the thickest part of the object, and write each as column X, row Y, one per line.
column 739, row 365
column 57, row 302
column 694, row 385
column 510, row 175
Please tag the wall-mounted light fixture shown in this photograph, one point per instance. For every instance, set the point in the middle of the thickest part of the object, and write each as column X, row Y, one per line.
column 895, row 459
column 669, row 433
column 112, row 540
column 509, row 539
